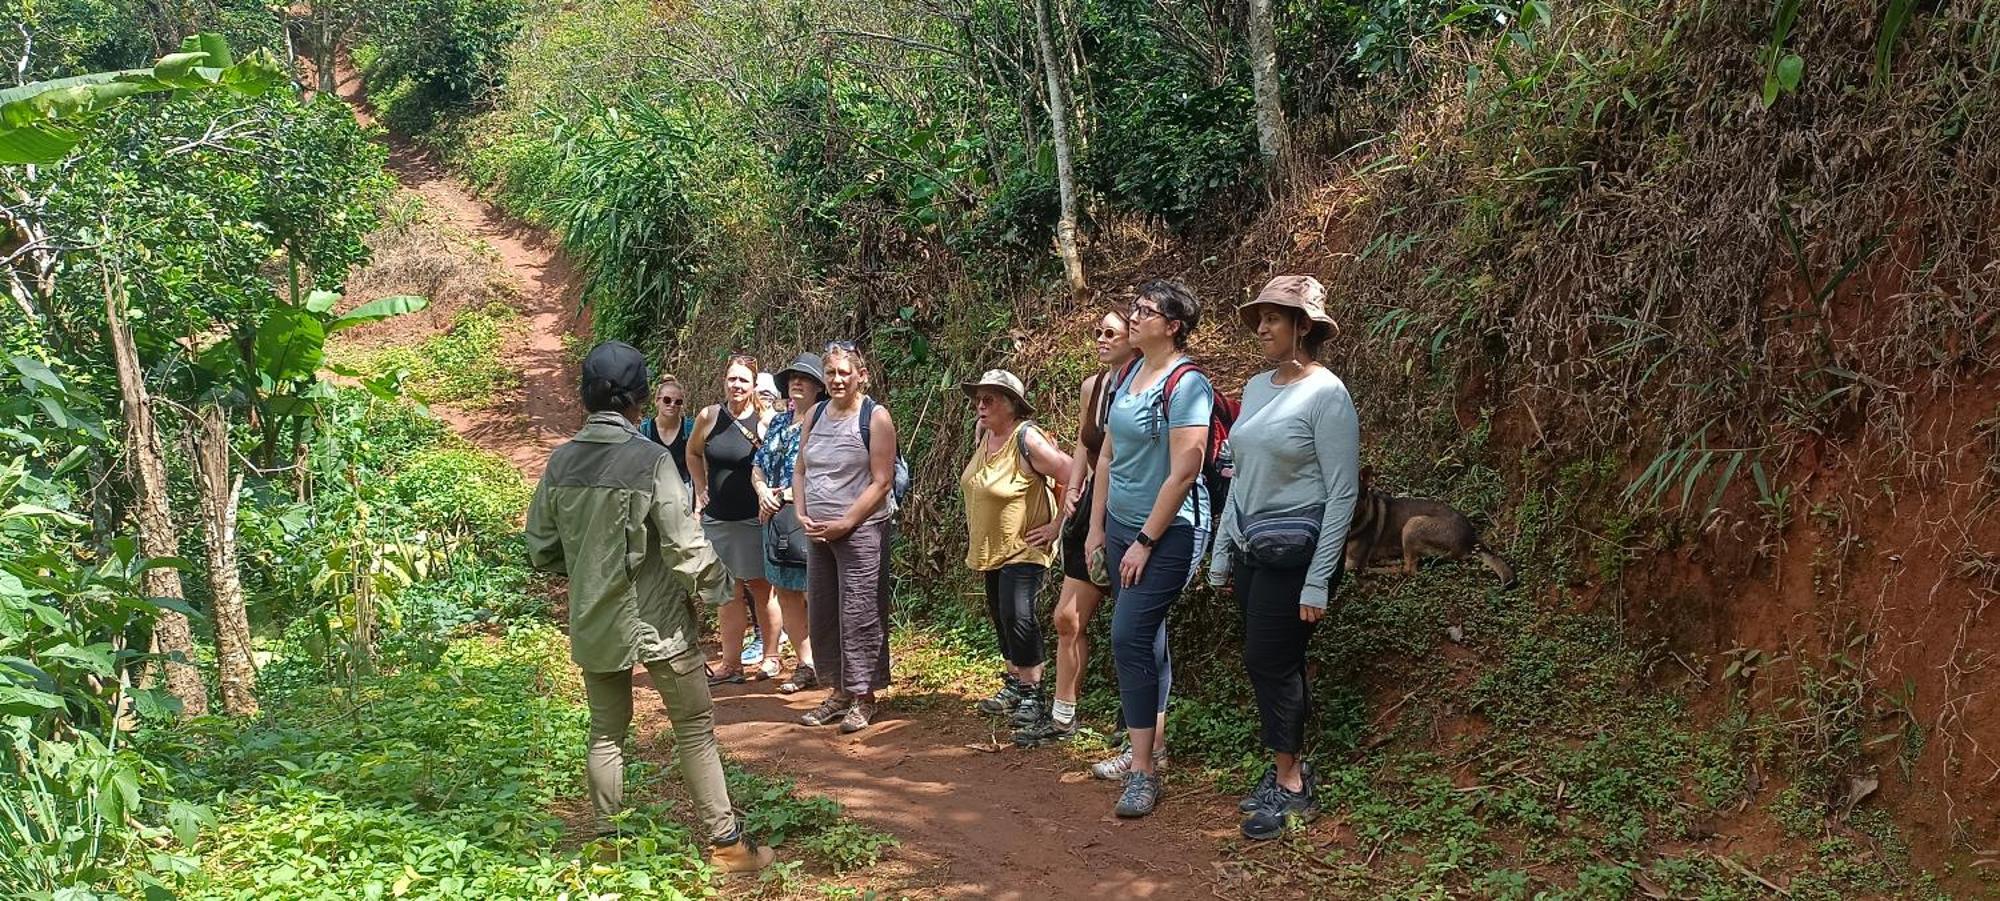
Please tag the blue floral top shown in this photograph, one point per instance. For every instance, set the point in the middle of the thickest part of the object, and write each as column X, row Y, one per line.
column 780, row 453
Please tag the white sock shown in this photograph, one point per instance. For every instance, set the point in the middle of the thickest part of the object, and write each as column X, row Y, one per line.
column 1062, row 711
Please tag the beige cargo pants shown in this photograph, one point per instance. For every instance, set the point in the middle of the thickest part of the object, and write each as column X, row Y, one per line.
column 693, row 714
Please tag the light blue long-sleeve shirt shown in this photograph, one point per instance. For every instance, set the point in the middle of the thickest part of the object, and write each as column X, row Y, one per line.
column 1295, row 446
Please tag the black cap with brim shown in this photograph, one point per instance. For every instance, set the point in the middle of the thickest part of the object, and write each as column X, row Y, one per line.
column 615, row 368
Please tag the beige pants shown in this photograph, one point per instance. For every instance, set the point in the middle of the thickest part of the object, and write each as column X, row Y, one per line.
column 693, row 715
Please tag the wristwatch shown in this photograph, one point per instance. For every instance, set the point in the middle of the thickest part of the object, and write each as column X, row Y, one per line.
column 1143, row 540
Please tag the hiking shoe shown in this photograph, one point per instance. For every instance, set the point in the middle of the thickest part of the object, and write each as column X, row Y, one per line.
column 858, row 716
column 740, row 854
column 1007, row 698
column 1142, row 794
column 802, row 678
column 1034, row 706
column 1282, row 807
column 767, row 670
column 1116, row 767
column 1044, row 731
column 1257, row 797
column 828, row 712
column 752, row 652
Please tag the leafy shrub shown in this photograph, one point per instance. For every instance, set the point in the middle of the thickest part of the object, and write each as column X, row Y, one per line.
column 461, row 365
column 431, row 59
column 461, row 491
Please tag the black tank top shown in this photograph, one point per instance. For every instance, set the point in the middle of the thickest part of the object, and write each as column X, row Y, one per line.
column 729, row 454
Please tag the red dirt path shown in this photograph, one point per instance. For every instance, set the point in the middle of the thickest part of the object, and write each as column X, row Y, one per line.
column 1000, row 824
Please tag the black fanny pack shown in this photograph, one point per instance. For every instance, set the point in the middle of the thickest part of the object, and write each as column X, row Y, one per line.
column 1284, row 540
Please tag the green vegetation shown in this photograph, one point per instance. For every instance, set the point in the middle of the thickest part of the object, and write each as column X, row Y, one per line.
column 1646, row 287
column 462, row 365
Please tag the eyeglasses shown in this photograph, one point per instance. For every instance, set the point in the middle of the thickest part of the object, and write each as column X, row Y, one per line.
column 1106, row 334
column 1143, row 312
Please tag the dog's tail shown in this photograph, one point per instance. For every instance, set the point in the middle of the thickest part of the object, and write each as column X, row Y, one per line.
column 1495, row 563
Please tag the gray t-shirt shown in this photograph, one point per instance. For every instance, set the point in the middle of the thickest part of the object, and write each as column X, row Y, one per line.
column 1295, row 446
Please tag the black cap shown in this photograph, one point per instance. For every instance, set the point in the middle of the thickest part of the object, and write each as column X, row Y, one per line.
column 614, row 377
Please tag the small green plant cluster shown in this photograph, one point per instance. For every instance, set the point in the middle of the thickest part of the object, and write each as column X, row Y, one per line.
column 462, row 365
column 462, row 491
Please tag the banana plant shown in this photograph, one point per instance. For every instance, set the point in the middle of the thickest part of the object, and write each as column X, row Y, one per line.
column 41, row 122
column 273, row 367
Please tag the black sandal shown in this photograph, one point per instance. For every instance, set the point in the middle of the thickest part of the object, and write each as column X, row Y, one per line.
column 726, row 677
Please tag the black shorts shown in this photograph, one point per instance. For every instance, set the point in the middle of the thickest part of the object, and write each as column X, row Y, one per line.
column 1075, row 563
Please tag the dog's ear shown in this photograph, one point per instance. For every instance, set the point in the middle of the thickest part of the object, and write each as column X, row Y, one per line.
column 1367, row 477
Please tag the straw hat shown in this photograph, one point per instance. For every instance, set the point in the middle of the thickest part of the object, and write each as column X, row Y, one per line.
column 1006, row 382
column 1297, row 292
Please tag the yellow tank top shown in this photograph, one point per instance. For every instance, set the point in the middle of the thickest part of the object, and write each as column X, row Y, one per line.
column 1004, row 499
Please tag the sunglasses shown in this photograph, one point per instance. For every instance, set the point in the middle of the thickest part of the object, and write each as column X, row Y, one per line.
column 1106, row 334
column 673, row 401
column 843, row 346
column 743, row 359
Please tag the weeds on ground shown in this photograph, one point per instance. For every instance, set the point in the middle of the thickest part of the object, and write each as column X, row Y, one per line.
column 461, row 366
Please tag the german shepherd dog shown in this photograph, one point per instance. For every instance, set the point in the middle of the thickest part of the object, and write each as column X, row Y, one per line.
column 1389, row 528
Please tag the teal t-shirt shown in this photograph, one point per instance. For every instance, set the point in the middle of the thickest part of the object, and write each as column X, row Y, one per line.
column 1139, row 456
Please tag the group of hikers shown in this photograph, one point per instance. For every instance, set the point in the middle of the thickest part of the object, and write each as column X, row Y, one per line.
column 777, row 506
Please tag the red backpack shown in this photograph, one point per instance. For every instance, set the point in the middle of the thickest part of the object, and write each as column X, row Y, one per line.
column 1217, row 467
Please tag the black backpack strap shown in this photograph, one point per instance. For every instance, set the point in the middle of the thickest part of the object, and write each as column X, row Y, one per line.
column 867, row 418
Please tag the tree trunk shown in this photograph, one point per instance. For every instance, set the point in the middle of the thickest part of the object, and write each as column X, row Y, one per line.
column 219, row 490
column 1052, row 68
column 1273, row 144
column 157, row 536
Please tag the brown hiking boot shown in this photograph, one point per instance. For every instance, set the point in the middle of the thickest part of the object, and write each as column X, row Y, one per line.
column 740, row 855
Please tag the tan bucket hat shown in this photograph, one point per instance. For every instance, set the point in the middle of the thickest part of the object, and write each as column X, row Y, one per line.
column 1298, row 292
column 1006, row 382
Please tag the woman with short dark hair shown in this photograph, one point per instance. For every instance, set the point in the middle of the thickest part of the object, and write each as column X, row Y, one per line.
column 1149, row 517
column 1297, row 446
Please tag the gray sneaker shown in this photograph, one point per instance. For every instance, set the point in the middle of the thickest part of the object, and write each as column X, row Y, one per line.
column 1142, row 794
column 1116, row 767
column 1006, row 699
column 1260, row 796
column 1034, row 706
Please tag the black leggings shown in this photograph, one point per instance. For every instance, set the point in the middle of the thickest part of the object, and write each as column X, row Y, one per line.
column 1010, row 600
column 1274, row 651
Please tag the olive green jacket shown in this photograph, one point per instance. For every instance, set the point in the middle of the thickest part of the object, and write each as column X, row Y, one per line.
column 611, row 514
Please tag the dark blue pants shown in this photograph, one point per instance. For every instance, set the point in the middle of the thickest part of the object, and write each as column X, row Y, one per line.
column 1139, row 618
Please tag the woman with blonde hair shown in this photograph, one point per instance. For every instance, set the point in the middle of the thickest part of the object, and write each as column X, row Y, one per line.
column 721, row 455
column 1081, row 594
column 1010, row 515
column 846, row 476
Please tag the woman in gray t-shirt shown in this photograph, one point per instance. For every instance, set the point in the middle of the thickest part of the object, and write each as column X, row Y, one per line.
column 844, row 477
column 1297, row 452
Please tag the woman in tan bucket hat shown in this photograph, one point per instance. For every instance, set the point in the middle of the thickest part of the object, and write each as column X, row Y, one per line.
column 1010, row 485
column 1297, row 446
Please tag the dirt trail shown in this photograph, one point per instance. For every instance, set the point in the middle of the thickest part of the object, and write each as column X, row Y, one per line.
column 527, row 423
column 997, row 823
